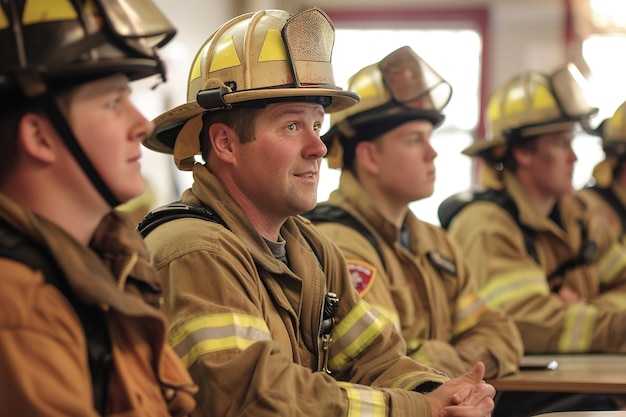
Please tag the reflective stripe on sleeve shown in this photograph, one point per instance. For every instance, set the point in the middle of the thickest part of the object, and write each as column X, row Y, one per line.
column 612, row 264
column 392, row 315
column 578, row 325
column 212, row 333
column 514, row 285
column 363, row 401
column 469, row 310
column 355, row 333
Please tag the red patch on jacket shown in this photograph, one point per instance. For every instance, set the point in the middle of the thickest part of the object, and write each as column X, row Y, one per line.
column 362, row 275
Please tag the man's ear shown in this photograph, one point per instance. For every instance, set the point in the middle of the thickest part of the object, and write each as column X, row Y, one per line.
column 366, row 155
column 35, row 137
column 222, row 138
column 522, row 155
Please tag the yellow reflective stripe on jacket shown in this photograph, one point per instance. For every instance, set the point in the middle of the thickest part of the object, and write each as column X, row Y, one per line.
column 469, row 310
column 212, row 333
column 612, row 264
column 354, row 333
column 513, row 285
column 615, row 298
column 578, row 325
column 363, row 401
column 408, row 382
column 392, row 315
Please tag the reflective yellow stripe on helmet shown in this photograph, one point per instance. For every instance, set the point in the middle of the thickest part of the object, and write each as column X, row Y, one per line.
column 612, row 264
column 513, row 285
column 469, row 310
column 364, row 401
column 354, row 333
column 217, row 332
column 578, row 327
column 4, row 22
column 39, row 11
column 273, row 48
column 225, row 56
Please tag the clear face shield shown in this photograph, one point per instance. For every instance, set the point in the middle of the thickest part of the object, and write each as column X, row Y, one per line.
column 137, row 22
column 569, row 89
column 412, row 82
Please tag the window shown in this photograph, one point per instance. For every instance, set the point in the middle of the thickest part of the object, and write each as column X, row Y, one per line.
column 455, row 55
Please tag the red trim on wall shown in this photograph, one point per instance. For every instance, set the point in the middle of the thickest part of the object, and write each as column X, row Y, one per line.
column 478, row 19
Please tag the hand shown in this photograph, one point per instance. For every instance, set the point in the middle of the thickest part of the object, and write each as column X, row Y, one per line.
column 465, row 396
column 569, row 295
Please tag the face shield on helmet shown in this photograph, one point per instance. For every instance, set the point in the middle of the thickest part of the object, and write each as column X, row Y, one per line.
column 533, row 104
column 252, row 60
column 399, row 88
column 48, row 46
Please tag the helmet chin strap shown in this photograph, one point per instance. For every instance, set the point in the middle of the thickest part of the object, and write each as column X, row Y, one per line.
column 60, row 123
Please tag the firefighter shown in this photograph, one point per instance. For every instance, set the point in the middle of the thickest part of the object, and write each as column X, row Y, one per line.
column 81, row 334
column 261, row 305
column 537, row 253
column 606, row 194
column 419, row 280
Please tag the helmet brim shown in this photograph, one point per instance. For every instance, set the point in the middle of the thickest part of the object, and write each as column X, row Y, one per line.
column 481, row 147
column 169, row 124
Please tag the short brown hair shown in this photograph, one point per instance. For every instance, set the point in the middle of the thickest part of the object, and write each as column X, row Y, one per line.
column 241, row 120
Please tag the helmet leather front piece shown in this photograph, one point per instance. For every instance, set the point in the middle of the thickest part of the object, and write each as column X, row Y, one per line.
column 254, row 58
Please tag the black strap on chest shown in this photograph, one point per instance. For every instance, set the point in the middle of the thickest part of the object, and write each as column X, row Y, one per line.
column 178, row 210
column 453, row 205
column 15, row 246
column 607, row 195
column 336, row 214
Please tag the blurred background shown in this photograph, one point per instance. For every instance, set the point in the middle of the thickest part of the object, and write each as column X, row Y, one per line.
column 476, row 45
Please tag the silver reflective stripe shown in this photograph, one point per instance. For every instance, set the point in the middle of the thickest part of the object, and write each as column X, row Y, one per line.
column 212, row 333
column 364, row 401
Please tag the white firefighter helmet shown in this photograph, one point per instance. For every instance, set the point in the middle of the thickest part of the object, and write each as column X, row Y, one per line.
column 399, row 88
column 532, row 104
column 254, row 58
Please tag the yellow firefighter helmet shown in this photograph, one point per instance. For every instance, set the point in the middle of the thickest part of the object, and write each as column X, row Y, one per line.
column 51, row 45
column 399, row 88
column 254, row 59
column 531, row 104
column 612, row 132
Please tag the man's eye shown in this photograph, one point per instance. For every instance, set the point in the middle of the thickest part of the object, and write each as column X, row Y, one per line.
column 112, row 105
column 291, row 127
column 317, row 127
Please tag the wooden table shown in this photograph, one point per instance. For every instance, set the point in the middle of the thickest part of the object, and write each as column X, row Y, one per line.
column 578, row 373
column 584, row 414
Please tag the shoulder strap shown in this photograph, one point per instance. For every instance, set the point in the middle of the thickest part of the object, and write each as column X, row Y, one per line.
column 607, row 195
column 336, row 214
column 453, row 205
column 176, row 210
column 16, row 246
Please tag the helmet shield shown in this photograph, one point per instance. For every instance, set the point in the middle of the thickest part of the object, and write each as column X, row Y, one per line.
column 568, row 84
column 139, row 22
column 412, row 82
